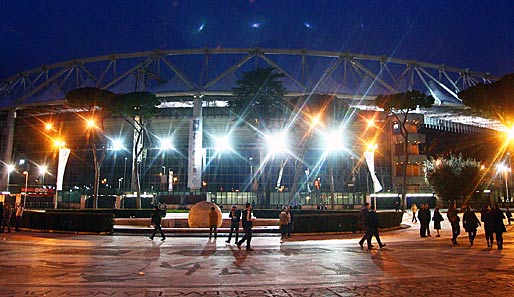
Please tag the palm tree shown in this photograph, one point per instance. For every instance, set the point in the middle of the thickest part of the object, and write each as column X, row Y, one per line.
column 259, row 100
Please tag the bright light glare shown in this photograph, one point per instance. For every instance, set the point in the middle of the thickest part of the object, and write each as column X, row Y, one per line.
column 42, row 169
column 48, row 126
column 223, row 144
column 90, row 123
column 117, row 144
column 10, row 168
column 372, row 146
column 510, row 134
column 316, row 121
column 502, row 168
column 166, row 144
column 276, row 143
column 59, row 143
column 333, row 141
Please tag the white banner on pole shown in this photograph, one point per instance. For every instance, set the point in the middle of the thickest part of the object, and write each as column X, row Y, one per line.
column 64, row 153
column 195, row 154
column 370, row 160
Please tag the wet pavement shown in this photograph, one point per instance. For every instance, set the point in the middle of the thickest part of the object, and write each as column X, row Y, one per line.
column 50, row 264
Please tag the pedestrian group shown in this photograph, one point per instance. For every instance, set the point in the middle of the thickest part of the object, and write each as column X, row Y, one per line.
column 491, row 219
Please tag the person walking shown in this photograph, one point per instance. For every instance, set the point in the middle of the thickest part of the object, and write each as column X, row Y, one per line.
column 508, row 214
column 19, row 213
column 470, row 223
column 284, row 223
column 453, row 217
column 6, row 219
column 235, row 218
column 437, row 218
column 363, row 222
column 488, row 224
column 156, row 222
column 498, row 225
column 428, row 215
column 213, row 223
column 289, row 221
column 372, row 223
column 414, row 209
column 424, row 220
column 247, row 227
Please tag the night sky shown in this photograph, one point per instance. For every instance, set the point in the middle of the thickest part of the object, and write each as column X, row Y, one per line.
column 478, row 35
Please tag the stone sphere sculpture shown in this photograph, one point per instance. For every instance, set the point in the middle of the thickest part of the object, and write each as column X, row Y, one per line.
column 199, row 215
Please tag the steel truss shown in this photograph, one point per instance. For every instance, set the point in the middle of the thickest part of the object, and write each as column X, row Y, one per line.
column 212, row 72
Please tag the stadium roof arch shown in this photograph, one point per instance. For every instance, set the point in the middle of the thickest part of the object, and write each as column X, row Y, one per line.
column 176, row 76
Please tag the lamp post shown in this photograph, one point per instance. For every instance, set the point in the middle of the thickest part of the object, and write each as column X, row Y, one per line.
column 10, row 168
column 251, row 172
column 124, row 173
column 26, row 173
column 120, row 180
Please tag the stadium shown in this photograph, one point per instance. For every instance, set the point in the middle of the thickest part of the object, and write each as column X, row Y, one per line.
column 233, row 161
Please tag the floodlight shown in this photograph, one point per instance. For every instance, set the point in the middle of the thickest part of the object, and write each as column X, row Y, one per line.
column 276, row 143
column 117, row 144
column 166, row 144
column 222, row 144
column 333, row 141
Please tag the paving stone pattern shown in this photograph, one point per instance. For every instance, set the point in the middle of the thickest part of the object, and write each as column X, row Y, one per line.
column 46, row 264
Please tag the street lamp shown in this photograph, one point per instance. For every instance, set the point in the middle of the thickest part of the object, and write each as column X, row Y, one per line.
column 26, row 173
column 10, row 168
column 251, row 171
column 504, row 169
column 124, row 173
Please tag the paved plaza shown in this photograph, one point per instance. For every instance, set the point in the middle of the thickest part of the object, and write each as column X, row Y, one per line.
column 50, row 264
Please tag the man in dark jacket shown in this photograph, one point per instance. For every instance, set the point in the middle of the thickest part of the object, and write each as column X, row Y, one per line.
column 497, row 217
column 156, row 221
column 372, row 223
column 247, row 227
column 424, row 220
column 235, row 218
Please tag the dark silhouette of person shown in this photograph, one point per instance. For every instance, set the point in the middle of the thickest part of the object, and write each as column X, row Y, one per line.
column 470, row 223
column 497, row 217
column 488, row 225
column 453, row 217
column 363, row 222
column 235, row 218
column 156, row 221
column 247, row 227
column 372, row 223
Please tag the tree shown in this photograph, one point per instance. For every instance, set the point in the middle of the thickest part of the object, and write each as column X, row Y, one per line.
column 259, row 96
column 454, row 178
column 400, row 105
column 495, row 100
column 136, row 108
column 92, row 100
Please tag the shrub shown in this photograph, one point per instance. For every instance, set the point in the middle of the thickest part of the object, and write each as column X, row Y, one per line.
column 77, row 221
column 340, row 221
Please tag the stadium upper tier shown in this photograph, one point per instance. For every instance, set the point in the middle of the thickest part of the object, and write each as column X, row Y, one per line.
column 179, row 75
